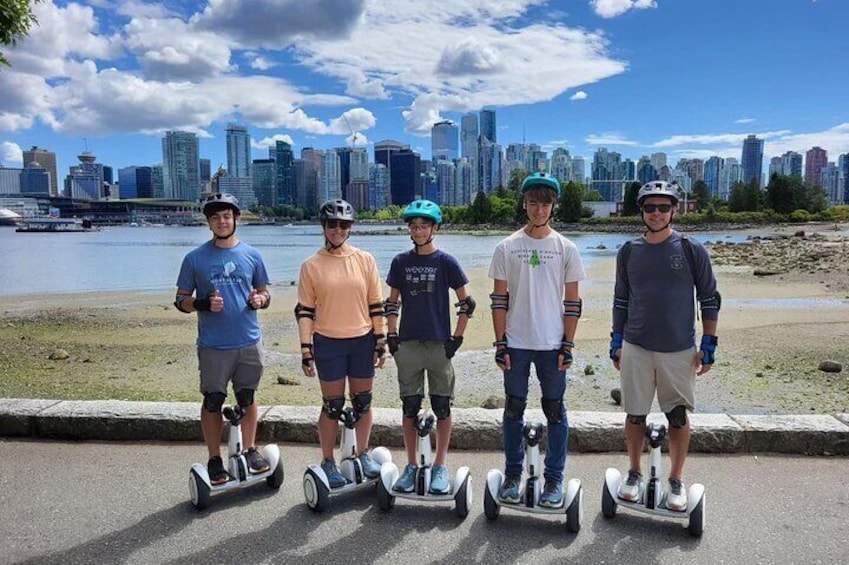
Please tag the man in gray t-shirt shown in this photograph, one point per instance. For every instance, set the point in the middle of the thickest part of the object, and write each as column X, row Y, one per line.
column 653, row 337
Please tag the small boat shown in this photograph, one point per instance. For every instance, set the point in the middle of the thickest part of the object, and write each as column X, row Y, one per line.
column 50, row 225
column 9, row 218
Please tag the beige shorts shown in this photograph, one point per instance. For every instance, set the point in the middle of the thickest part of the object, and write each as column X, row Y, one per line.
column 243, row 367
column 643, row 372
column 414, row 358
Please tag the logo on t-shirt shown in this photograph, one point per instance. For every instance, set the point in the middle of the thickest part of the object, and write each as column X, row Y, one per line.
column 536, row 257
column 420, row 280
column 677, row 262
column 228, row 274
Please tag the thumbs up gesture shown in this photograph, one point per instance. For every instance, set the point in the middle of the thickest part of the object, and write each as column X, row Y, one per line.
column 216, row 303
column 255, row 300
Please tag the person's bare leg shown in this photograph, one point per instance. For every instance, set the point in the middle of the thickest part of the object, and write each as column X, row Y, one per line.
column 679, row 444
column 443, row 439
column 211, row 425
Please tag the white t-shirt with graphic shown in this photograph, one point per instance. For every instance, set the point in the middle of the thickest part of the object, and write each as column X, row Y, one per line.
column 536, row 271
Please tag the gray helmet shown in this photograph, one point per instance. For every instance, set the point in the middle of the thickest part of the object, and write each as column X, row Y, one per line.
column 336, row 210
column 670, row 190
column 220, row 201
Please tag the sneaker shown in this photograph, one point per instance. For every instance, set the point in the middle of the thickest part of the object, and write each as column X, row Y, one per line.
column 256, row 462
column 509, row 491
column 552, row 494
column 370, row 467
column 676, row 498
column 407, row 481
column 334, row 477
column 218, row 475
column 439, row 480
column 631, row 489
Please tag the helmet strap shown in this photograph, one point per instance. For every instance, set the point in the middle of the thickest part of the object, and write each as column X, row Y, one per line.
column 643, row 216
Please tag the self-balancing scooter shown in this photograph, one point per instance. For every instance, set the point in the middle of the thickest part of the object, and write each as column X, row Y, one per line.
column 573, row 496
column 200, row 487
column 653, row 498
column 317, row 491
column 460, row 491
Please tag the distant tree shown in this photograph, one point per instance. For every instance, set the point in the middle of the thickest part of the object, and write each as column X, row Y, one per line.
column 480, row 210
column 16, row 18
column 590, row 195
column 701, row 192
column 629, row 206
column 745, row 197
column 570, row 203
column 516, row 178
column 737, row 198
column 816, row 200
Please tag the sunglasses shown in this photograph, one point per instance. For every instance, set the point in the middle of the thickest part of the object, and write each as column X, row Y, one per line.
column 345, row 225
column 651, row 208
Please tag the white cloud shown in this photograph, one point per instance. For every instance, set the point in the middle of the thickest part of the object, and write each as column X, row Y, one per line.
column 267, row 142
column 26, row 97
column 715, row 138
column 259, row 62
column 11, row 154
column 744, row 121
column 580, row 95
column 609, row 138
column 469, row 57
column 613, row 8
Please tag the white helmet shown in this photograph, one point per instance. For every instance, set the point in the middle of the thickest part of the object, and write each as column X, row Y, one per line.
column 670, row 190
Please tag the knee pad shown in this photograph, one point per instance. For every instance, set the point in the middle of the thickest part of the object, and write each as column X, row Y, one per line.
column 441, row 406
column 245, row 397
column 333, row 407
column 361, row 402
column 514, row 408
column 553, row 409
column 637, row 420
column 677, row 417
column 411, row 405
column 213, row 401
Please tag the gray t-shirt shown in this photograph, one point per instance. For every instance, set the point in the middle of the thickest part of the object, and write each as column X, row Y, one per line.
column 654, row 303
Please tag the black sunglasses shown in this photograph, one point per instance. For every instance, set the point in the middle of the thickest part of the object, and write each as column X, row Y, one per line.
column 345, row 225
column 650, row 208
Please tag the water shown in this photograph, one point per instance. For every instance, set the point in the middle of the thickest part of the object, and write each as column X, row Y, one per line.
column 145, row 259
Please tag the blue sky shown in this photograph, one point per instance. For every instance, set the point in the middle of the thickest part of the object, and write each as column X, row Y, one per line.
column 690, row 78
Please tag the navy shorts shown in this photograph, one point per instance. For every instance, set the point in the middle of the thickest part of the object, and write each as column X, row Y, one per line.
column 336, row 359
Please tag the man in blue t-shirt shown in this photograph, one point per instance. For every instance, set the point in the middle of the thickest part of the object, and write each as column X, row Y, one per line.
column 419, row 281
column 225, row 282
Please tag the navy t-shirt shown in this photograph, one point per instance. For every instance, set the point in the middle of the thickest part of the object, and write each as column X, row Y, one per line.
column 424, row 282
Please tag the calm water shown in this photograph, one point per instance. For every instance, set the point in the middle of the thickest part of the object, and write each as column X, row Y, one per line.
column 148, row 258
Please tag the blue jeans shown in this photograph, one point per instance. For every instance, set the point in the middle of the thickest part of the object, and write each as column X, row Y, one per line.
column 553, row 384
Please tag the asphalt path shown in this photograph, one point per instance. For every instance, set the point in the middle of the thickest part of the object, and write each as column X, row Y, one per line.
column 96, row 502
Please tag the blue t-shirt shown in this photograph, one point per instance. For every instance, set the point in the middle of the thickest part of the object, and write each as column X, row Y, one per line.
column 424, row 282
column 233, row 273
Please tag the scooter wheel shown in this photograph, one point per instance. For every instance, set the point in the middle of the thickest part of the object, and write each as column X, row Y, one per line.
column 199, row 491
column 608, row 503
column 696, row 527
column 491, row 509
column 385, row 500
column 275, row 479
column 315, row 493
column 575, row 512
column 463, row 497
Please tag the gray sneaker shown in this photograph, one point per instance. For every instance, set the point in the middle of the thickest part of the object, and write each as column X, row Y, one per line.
column 370, row 467
column 676, row 498
column 509, row 491
column 552, row 494
column 334, row 477
column 407, row 481
column 632, row 487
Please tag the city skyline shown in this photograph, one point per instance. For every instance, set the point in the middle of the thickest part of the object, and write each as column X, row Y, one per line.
column 635, row 76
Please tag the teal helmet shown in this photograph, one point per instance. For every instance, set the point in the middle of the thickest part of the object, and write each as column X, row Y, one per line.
column 423, row 209
column 541, row 180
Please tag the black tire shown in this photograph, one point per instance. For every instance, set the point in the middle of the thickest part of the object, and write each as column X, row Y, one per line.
column 463, row 497
column 608, row 503
column 275, row 479
column 199, row 491
column 696, row 527
column 491, row 509
column 315, row 493
column 574, row 512
column 384, row 499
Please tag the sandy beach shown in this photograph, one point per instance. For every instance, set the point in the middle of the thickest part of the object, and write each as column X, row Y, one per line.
column 785, row 310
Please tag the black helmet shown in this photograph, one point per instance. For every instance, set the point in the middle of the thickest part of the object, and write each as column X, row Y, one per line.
column 336, row 210
column 220, row 201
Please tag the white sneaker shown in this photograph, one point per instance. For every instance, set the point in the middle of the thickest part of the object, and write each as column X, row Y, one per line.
column 632, row 487
column 676, row 498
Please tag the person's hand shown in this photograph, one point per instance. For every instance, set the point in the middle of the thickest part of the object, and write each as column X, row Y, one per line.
column 616, row 348
column 706, row 355
column 452, row 344
column 307, row 361
column 564, row 357
column 216, row 303
column 256, row 300
column 379, row 353
column 502, row 358
column 394, row 342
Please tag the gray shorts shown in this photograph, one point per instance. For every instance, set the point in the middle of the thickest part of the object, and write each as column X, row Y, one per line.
column 414, row 358
column 243, row 367
column 643, row 372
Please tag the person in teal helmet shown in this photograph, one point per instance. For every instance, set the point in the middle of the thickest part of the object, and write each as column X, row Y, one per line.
column 419, row 282
column 535, row 311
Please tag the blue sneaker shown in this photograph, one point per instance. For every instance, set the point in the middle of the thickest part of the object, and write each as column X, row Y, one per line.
column 407, row 481
column 334, row 477
column 439, row 480
column 370, row 467
column 552, row 494
column 509, row 491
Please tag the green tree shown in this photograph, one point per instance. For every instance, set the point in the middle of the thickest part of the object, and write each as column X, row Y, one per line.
column 702, row 193
column 515, row 182
column 629, row 206
column 16, row 18
column 590, row 195
column 570, row 202
column 481, row 209
column 737, row 198
column 816, row 200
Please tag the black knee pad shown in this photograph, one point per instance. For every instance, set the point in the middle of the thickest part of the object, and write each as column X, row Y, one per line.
column 441, row 406
column 677, row 417
column 361, row 402
column 637, row 420
column 213, row 401
column 411, row 405
column 245, row 397
column 553, row 409
column 333, row 407
column 514, row 408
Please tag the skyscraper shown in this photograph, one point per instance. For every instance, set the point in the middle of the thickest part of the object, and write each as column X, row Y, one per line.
column 843, row 178
column 469, row 136
column 284, row 174
column 488, row 125
column 444, row 141
column 46, row 159
column 135, row 182
column 713, row 169
column 329, row 183
column 262, row 180
column 238, row 151
column 815, row 159
column 752, row 159
column 312, row 168
column 383, row 152
column 791, row 164
column 181, row 166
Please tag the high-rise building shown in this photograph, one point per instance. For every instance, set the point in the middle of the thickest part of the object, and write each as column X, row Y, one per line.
column 135, row 182
column 561, row 164
column 730, row 174
column 752, row 159
column 446, row 182
column 695, row 168
column 658, row 161
column 238, row 151
column 830, row 183
column 330, row 187
column 10, row 180
column 383, row 152
column 157, row 179
column 791, row 164
column 646, row 171
column 815, row 159
column 488, row 126
column 35, row 179
column 85, row 181
column 713, row 168
column 181, row 166
column 843, row 176
column 491, row 165
column 444, row 141
column 312, row 173
column 262, row 179
column 775, row 167
column 46, row 159
column 284, row 175
column 579, row 170
column 358, row 178
column 404, row 176
column 464, row 182
column 378, row 186
column 469, row 136
column 609, row 174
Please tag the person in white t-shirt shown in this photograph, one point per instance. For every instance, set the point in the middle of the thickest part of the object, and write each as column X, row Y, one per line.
column 535, row 311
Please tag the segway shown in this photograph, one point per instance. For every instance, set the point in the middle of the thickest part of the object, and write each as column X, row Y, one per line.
column 573, row 495
column 653, row 498
column 460, row 491
column 317, row 491
column 200, row 487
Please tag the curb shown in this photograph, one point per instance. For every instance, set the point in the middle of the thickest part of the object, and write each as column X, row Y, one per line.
column 474, row 428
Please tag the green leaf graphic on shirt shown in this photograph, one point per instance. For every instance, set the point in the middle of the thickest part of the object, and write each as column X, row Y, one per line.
column 534, row 260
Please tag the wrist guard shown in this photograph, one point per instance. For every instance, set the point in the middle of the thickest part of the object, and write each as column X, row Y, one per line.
column 394, row 342
column 201, row 304
column 306, row 356
column 615, row 343
column 566, row 347
column 708, row 349
column 452, row 344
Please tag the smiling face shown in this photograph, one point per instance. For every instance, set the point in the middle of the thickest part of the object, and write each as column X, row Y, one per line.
column 222, row 223
column 337, row 231
column 421, row 230
column 656, row 219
